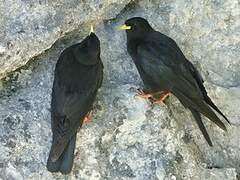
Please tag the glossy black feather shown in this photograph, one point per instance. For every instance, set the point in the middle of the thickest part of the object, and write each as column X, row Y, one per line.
column 201, row 126
column 65, row 162
column 163, row 67
column 78, row 76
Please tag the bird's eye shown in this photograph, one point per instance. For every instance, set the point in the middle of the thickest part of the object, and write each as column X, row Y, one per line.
column 133, row 26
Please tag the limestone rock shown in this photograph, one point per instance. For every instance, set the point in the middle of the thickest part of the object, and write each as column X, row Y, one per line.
column 28, row 27
column 128, row 138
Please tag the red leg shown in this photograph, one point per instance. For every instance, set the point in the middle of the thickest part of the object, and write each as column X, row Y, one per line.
column 162, row 95
column 161, row 98
column 142, row 94
column 88, row 117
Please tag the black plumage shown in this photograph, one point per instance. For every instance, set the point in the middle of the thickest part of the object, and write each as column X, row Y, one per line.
column 164, row 68
column 78, row 76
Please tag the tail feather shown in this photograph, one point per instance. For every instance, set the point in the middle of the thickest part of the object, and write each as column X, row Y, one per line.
column 65, row 162
column 208, row 112
column 68, row 157
column 201, row 126
column 210, row 103
column 200, row 82
column 201, row 107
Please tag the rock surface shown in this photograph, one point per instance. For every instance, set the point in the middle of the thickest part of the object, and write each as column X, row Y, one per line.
column 28, row 27
column 129, row 138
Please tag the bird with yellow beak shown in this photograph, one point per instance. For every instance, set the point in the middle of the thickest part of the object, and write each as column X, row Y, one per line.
column 77, row 78
column 124, row 27
column 164, row 69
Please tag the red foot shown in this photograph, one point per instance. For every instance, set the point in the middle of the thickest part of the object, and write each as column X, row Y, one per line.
column 142, row 94
column 161, row 99
column 88, row 117
column 161, row 96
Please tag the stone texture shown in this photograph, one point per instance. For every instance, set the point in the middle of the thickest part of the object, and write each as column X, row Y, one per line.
column 128, row 138
column 28, row 27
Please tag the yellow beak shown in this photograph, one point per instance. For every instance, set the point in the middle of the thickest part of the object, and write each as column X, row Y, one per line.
column 124, row 27
column 91, row 29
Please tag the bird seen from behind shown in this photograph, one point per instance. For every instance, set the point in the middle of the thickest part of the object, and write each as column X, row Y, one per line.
column 78, row 76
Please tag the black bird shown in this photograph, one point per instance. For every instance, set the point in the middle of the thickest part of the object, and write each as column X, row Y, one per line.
column 78, row 76
column 164, row 69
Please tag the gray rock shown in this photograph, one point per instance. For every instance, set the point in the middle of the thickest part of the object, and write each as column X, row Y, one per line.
column 128, row 137
column 28, row 28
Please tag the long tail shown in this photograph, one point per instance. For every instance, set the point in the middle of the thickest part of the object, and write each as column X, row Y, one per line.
column 201, row 126
column 209, row 113
column 210, row 103
column 200, row 82
column 201, row 107
column 65, row 162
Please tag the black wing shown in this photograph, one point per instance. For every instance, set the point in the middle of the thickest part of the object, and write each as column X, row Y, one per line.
column 159, row 64
column 168, row 69
column 74, row 91
column 200, row 82
column 174, row 58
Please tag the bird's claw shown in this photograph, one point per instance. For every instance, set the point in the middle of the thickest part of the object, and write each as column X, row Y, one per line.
column 161, row 99
column 142, row 94
column 158, row 101
column 87, row 118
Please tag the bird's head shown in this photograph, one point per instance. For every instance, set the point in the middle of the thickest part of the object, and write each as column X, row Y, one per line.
column 89, row 49
column 136, row 27
column 92, row 43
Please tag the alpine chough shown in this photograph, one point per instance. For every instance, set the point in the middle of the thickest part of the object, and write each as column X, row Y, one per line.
column 164, row 69
column 78, row 76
